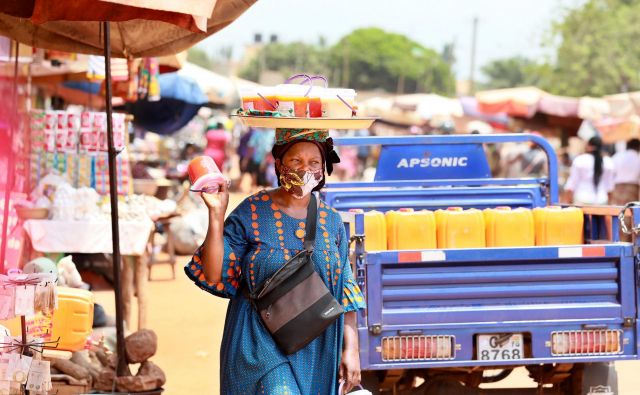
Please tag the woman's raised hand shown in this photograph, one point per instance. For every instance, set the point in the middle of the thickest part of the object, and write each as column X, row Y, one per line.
column 217, row 202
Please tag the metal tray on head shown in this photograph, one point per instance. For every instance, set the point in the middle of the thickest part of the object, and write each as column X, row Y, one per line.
column 305, row 123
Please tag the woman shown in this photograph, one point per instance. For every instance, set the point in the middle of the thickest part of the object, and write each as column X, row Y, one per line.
column 262, row 233
column 591, row 178
column 217, row 141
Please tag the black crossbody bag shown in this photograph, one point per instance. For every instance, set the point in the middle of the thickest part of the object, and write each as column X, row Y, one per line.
column 294, row 303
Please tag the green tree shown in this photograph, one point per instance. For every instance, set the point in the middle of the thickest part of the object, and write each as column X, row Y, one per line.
column 288, row 59
column 597, row 51
column 513, row 72
column 199, row 57
column 372, row 58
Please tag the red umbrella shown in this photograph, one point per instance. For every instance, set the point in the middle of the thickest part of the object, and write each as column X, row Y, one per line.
column 167, row 27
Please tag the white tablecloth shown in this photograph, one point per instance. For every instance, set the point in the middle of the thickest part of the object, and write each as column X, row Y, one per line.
column 87, row 237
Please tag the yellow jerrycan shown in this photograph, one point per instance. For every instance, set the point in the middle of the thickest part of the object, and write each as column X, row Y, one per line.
column 558, row 226
column 72, row 321
column 411, row 230
column 506, row 227
column 459, row 228
column 375, row 229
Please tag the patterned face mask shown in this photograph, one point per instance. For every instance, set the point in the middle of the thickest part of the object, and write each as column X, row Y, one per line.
column 299, row 183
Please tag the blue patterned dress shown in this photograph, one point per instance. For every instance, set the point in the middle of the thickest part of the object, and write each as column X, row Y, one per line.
column 258, row 238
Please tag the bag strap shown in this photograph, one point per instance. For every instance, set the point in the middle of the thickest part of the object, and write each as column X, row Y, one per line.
column 312, row 216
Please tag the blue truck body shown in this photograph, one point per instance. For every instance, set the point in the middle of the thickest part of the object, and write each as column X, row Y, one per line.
column 456, row 295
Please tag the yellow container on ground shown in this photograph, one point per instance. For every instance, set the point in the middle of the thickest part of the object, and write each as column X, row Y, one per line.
column 411, row 230
column 458, row 228
column 558, row 226
column 375, row 230
column 72, row 321
column 509, row 228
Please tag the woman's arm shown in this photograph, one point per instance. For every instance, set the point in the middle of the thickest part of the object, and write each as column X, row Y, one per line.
column 350, row 365
column 213, row 246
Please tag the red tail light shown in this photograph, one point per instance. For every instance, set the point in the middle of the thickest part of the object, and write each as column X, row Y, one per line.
column 592, row 342
column 411, row 348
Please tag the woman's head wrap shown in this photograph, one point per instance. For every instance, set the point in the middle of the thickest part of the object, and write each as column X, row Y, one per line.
column 287, row 138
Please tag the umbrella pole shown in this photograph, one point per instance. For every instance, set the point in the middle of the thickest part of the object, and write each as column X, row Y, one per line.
column 113, row 195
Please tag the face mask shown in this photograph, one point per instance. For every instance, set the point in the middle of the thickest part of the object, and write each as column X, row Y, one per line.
column 299, row 183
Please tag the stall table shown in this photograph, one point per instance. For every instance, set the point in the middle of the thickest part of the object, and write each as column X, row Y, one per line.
column 164, row 222
column 94, row 237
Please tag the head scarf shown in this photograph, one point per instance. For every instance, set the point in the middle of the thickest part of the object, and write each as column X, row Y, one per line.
column 287, row 138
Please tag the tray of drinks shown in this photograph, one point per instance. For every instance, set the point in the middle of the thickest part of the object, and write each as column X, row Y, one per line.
column 271, row 122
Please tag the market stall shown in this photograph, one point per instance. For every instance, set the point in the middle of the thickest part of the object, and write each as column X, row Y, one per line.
column 139, row 33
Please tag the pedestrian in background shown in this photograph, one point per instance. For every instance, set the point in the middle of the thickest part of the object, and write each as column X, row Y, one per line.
column 591, row 178
column 217, row 140
column 627, row 179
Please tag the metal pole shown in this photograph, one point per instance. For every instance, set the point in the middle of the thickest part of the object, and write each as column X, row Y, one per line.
column 472, row 87
column 113, row 196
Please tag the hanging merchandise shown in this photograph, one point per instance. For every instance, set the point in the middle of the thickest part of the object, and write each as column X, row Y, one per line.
column 96, row 69
column 148, row 84
column 7, row 303
column 21, row 364
column 39, row 378
column 126, row 89
column 74, row 146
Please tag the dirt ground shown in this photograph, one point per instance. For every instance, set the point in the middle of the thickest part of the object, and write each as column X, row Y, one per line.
column 189, row 325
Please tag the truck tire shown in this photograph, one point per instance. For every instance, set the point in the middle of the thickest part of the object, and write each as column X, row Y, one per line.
column 369, row 381
column 599, row 379
column 591, row 379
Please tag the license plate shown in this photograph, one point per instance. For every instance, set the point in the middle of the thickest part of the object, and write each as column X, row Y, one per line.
column 500, row 347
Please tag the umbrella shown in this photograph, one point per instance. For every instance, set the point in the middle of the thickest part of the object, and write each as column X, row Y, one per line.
column 138, row 32
column 559, row 106
column 413, row 109
column 520, row 102
column 218, row 88
column 470, row 109
column 593, row 108
column 176, row 86
column 624, row 105
column 180, row 100
column 83, row 26
column 429, row 106
column 170, row 63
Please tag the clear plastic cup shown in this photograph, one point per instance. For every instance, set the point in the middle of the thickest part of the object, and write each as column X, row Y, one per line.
column 204, row 175
column 293, row 100
column 267, row 99
column 338, row 103
column 315, row 102
column 249, row 97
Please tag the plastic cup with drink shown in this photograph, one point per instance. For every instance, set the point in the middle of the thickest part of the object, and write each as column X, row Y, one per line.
column 205, row 176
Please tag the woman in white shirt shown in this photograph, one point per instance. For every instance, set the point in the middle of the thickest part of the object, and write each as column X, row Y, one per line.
column 592, row 176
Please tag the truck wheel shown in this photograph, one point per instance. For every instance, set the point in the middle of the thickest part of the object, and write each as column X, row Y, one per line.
column 591, row 379
column 370, row 382
column 599, row 379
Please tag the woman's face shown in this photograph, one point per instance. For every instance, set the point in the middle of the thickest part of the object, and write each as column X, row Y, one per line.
column 303, row 156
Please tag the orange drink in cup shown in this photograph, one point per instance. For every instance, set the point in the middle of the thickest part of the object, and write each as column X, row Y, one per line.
column 267, row 100
column 204, row 175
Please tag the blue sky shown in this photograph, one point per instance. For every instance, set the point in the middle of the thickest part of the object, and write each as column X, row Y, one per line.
column 505, row 27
